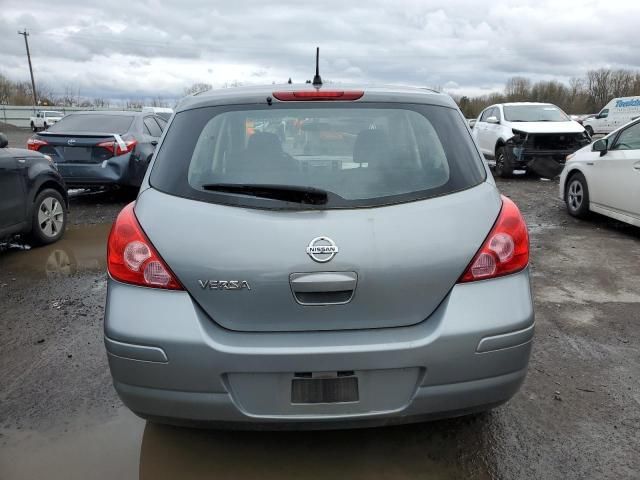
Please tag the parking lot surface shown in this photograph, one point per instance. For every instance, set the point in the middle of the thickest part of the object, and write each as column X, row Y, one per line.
column 577, row 415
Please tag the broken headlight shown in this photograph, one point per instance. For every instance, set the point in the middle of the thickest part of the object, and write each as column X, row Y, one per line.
column 519, row 133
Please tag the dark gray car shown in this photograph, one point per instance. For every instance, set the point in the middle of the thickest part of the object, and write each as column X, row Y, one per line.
column 101, row 148
column 33, row 196
column 317, row 256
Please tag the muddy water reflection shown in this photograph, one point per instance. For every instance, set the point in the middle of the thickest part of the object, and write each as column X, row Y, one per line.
column 125, row 447
column 80, row 249
column 78, row 448
column 440, row 450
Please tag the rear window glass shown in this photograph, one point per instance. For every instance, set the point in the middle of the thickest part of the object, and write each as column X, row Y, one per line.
column 152, row 126
column 93, row 123
column 364, row 155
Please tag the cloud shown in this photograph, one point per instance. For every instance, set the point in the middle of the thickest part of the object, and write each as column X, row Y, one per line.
column 125, row 48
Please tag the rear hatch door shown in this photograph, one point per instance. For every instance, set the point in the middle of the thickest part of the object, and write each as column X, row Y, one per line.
column 394, row 265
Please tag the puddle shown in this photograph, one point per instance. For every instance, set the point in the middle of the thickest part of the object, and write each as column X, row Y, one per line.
column 128, row 448
column 393, row 453
column 80, row 249
column 94, row 451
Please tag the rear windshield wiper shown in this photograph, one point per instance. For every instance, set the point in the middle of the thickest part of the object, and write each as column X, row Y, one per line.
column 287, row 193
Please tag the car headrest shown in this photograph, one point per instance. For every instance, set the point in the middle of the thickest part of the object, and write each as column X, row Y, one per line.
column 264, row 144
column 372, row 147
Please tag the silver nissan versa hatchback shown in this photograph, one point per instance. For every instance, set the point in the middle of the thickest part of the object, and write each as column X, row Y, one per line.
column 319, row 257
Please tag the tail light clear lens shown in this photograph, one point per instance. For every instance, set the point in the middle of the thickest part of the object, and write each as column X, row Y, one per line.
column 131, row 257
column 116, row 149
column 505, row 250
column 36, row 144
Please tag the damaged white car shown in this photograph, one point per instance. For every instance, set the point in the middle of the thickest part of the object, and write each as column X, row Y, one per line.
column 535, row 137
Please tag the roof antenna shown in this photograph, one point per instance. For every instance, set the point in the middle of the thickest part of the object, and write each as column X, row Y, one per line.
column 317, row 81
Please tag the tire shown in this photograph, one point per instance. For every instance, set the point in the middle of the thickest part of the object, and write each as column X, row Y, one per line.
column 33, row 127
column 576, row 196
column 503, row 168
column 49, row 217
column 589, row 130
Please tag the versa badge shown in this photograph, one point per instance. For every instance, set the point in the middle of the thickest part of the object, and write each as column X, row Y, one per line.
column 224, row 284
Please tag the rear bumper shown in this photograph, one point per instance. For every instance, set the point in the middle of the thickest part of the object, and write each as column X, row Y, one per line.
column 170, row 362
column 217, row 410
column 115, row 171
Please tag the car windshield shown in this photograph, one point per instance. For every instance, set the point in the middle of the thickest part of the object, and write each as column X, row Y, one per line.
column 355, row 155
column 79, row 123
column 534, row 113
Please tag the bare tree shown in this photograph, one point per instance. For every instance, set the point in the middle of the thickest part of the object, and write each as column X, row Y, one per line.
column 197, row 88
column 598, row 87
column 6, row 89
column 134, row 105
column 232, row 84
column 159, row 102
column 621, row 83
column 517, row 89
column 100, row 103
column 68, row 98
column 45, row 94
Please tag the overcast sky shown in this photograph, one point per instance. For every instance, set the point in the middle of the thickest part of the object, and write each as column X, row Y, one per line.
column 139, row 48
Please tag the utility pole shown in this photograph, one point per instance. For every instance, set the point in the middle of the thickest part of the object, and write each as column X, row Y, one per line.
column 25, row 34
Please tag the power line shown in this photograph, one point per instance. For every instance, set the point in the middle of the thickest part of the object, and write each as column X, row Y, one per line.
column 25, row 34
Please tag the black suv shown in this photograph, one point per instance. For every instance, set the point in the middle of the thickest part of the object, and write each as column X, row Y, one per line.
column 33, row 196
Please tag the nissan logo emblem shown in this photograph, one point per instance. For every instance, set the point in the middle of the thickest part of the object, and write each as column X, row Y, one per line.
column 322, row 249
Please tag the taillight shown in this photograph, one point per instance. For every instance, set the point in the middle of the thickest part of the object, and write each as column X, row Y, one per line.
column 310, row 95
column 505, row 250
column 118, row 149
column 131, row 257
column 36, row 144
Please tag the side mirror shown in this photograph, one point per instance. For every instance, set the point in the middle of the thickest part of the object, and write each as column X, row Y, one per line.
column 4, row 141
column 493, row 120
column 601, row 146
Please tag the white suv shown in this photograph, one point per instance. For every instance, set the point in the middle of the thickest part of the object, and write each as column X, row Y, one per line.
column 527, row 136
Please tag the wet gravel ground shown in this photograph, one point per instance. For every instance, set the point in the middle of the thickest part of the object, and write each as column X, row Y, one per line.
column 577, row 415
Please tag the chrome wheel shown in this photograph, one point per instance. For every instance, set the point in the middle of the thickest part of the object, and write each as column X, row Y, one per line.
column 575, row 195
column 500, row 164
column 50, row 217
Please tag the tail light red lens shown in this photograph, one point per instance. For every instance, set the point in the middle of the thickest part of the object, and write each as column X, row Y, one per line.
column 116, row 149
column 311, row 95
column 506, row 249
column 131, row 257
column 36, row 144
